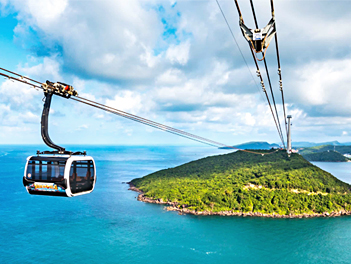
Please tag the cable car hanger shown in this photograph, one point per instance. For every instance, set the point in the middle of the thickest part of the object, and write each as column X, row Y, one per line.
column 259, row 39
column 271, row 27
column 50, row 89
column 60, row 172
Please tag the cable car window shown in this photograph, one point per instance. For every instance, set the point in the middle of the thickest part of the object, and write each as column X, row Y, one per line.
column 81, row 176
column 38, row 170
column 44, row 171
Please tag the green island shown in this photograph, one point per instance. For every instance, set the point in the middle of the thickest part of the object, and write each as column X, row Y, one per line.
column 246, row 184
column 326, row 153
column 326, row 156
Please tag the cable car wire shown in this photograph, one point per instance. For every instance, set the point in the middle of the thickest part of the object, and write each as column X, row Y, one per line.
column 117, row 112
column 157, row 125
column 133, row 117
column 267, row 72
column 279, row 70
column 261, row 79
column 237, row 44
column 22, row 77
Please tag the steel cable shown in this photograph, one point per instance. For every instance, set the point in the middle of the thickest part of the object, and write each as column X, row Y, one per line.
column 268, row 77
column 262, row 82
column 237, row 44
column 279, row 70
column 133, row 117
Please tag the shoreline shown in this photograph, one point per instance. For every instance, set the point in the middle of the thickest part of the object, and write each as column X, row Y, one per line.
column 172, row 206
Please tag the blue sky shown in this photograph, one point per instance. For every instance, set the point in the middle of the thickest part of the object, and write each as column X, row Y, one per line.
column 173, row 62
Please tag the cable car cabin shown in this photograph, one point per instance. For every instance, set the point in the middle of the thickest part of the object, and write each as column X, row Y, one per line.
column 59, row 175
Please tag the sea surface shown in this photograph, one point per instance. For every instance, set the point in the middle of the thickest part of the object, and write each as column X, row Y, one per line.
column 111, row 226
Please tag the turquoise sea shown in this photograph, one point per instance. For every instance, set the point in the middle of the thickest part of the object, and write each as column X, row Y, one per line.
column 111, row 226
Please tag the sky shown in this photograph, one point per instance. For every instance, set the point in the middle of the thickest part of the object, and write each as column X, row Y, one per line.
column 173, row 62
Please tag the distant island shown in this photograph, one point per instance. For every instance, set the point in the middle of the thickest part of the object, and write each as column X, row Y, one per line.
column 246, row 184
column 295, row 144
column 326, row 156
column 306, row 144
column 254, row 145
column 326, row 153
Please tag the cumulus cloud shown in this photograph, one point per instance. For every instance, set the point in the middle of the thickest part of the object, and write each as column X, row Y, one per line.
column 171, row 77
column 47, row 69
column 322, row 88
column 127, row 101
column 18, row 96
column 176, row 62
column 178, row 53
column 109, row 39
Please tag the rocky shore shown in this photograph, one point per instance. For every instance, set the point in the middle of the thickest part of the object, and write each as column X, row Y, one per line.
column 182, row 209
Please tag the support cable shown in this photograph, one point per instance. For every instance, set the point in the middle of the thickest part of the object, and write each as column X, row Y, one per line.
column 268, row 77
column 22, row 77
column 146, row 121
column 279, row 70
column 260, row 76
column 143, row 122
column 237, row 44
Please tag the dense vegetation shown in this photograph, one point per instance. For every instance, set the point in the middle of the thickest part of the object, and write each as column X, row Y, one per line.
column 246, row 182
column 324, row 148
column 326, row 153
column 331, row 156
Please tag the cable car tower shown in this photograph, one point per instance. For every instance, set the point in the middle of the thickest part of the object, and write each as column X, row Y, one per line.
column 289, row 136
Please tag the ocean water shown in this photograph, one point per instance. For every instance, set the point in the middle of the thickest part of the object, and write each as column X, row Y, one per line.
column 111, row 226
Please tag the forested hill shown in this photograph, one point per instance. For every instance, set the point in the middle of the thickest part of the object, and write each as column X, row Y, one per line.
column 329, row 156
column 246, row 182
column 323, row 148
column 326, row 153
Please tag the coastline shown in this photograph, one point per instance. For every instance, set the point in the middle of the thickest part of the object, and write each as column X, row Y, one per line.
column 172, row 206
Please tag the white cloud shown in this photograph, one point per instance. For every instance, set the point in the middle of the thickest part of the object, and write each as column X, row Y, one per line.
column 249, row 119
column 18, row 96
column 82, row 127
column 100, row 38
column 48, row 69
column 323, row 85
column 46, row 12
column 29, row 117
column 171, row 77
column 185, row 70
column 179, row 53
column 4, row 111
column 127, row 101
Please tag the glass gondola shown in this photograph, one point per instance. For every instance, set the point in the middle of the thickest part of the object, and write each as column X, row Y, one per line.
column 60, row 172
column 59, row 176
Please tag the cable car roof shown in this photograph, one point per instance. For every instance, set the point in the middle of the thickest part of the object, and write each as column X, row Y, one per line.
column 47, row 158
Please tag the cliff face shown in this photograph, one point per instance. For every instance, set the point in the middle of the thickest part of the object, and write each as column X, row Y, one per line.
column 245, row 183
